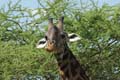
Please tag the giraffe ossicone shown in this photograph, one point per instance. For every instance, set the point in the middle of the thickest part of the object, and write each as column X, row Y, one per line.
column 55, row 41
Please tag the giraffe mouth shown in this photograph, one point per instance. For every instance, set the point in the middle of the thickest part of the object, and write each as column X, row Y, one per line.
column 50, row 49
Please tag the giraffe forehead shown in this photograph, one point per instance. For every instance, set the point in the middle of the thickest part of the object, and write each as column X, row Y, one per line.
column 53, row 31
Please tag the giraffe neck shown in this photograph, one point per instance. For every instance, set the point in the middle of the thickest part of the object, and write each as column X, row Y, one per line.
column 69, row 67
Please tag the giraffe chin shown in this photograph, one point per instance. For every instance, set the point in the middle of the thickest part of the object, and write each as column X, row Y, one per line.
column 50, row 50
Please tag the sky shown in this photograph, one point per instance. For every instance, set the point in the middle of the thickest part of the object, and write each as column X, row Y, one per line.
column 34, row 4
column 110, row 2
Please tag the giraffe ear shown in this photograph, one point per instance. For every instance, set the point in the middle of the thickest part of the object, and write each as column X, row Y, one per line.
column 73, row 37
column 41, row 43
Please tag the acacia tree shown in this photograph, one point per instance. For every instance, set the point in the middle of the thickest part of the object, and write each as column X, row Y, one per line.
column 98, row 50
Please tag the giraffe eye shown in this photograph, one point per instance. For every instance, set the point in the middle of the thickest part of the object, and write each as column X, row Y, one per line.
column 62, row 35
column 46, row 37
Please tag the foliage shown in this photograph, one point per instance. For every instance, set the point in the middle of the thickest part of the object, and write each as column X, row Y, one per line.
column 98, row 50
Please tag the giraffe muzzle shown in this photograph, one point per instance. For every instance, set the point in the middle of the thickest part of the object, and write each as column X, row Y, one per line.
column 50, row 47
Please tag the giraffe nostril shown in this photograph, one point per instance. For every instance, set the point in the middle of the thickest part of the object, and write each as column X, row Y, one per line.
column 53, row 41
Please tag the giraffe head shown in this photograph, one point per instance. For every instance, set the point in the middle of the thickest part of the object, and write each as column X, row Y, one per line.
column 55, row 37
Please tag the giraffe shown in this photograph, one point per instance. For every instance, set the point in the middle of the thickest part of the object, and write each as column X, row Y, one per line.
column 56, row 41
